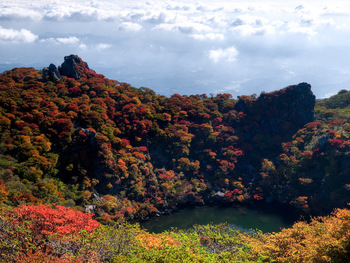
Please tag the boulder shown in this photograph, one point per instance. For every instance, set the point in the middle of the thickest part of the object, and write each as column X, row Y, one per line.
column 73, row 67
column 51, row 72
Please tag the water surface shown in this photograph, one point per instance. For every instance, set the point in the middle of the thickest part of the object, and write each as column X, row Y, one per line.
column 266, row 220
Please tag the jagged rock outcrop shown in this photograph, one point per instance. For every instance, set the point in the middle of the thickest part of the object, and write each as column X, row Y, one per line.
column 294, row 104
column 72, row 67
column 274, row 117
column 51, row 72
column 285, row 110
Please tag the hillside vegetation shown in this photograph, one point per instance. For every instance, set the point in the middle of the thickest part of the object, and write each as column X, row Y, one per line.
column 40, row 233
column 73, row 138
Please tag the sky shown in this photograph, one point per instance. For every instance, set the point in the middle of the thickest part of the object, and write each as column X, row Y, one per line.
column 187, row 47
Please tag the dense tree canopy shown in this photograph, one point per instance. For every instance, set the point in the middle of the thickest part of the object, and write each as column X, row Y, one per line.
column 130, row 153
column 81, row 140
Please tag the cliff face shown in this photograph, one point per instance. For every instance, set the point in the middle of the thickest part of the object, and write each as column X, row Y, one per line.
column 271, row 119
column 280, row 113
column 292, row 106
column 288, row 109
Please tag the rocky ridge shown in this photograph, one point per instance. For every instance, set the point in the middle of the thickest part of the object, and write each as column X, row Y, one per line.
column 72, row 67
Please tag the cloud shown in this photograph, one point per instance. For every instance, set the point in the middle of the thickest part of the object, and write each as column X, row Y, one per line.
column 129, row 26
column 247, row 30
column 83, row 46
column 12, row 35
column 228, row 54
column 158, row 41
column 155, row 18
column 12, row 12
column 62, row 40
column 209, row 36
column 251, row 25
column 296, row 28
column 67, row 40
column 102, row 46
column 185, row 27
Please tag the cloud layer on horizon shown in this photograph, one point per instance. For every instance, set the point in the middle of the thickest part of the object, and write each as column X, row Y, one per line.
column 186, row 47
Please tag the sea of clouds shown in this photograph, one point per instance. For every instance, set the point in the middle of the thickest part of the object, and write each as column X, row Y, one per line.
column 186, row 47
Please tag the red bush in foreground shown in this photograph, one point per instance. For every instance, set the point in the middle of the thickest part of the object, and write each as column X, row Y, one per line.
column 48, row 220
column 46, row 232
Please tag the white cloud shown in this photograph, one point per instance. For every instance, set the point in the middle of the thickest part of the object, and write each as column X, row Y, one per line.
column 102, row 46
column 296, row 28
column 247, row 30
column 228, row 54
column 250, row 25
column 12, row 35
column 155, row 18
column 185, row 27
column 83, row 46
column 67, row 40
column 159, row 40
column 9, row 12
column 129, row 26
column 62, row 40
column 209, row 36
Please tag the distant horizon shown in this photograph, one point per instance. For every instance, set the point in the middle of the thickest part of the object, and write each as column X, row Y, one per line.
column 241, row 47
column 258, row 94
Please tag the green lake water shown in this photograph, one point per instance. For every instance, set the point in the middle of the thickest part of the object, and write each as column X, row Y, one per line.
column 266, row 220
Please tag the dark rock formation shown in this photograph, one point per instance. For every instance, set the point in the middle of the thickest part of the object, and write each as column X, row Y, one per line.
column 294, row 104
column 51, row 72
column 280, row 112
column 274, row 117
column 72, row 67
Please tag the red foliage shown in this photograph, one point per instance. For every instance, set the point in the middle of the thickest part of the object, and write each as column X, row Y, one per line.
column 307, row 154
column 139, row 155
column 42, row 257
column 228, row 194
column 313, row 125
column 335, row 142
column 143, row 148
column 46, row 220
column 257, row 197
column 126, row 142
column 164, row 177
column 75, row 90
column 337, row 122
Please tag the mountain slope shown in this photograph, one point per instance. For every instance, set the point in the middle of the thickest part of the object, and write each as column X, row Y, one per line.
column 71, row 136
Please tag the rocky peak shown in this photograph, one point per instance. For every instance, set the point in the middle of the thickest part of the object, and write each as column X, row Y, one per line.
column 72, row 67
column 276, row 116
column 51, row 72
column 294, row 104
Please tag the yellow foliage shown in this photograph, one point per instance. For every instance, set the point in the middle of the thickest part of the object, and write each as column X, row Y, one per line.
column 149, row 241
column 325, row 239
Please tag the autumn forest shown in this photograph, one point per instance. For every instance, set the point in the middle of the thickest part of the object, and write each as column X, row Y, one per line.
column 83, row 158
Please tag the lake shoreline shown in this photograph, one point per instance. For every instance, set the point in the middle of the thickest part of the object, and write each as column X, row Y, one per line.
column 278, row 212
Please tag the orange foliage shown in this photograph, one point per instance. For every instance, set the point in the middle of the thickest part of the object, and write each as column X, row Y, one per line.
column 43, row 257
column 46, row 220
column 149, row 241
column 3, row 192
column 325, row 239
